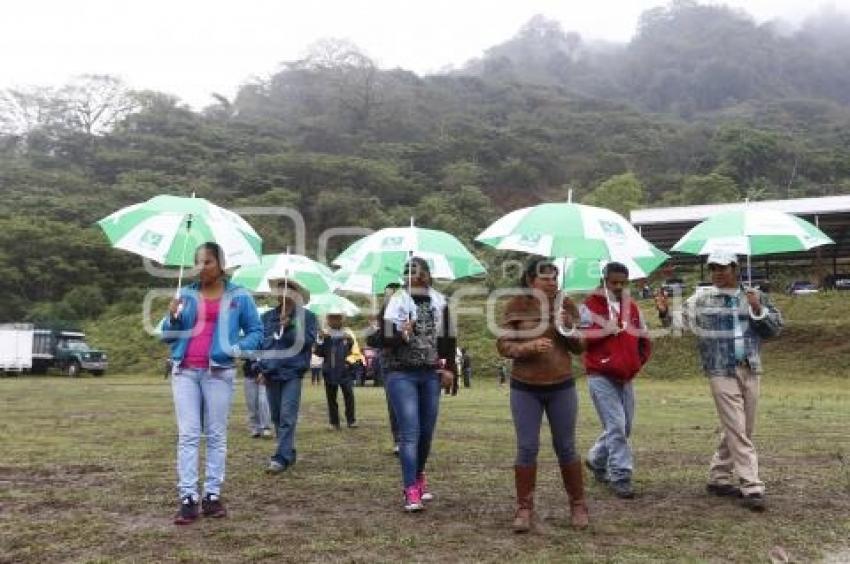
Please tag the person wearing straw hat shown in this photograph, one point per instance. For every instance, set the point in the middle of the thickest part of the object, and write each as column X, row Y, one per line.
column 203, row 328
column 338, row 346
column 617, row 347
column 730, row 322
column 289, row 332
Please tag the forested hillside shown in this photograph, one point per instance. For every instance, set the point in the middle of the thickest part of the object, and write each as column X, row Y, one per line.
column 703, row 105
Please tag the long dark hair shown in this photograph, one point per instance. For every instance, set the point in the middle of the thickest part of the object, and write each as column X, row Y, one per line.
column 533, row 268
column 423, row 267
column 215, row 249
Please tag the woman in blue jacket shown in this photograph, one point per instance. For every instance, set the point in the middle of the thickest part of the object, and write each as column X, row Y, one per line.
column 203, row 329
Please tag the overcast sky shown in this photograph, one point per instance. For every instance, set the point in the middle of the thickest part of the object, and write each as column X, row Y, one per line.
column 194, row 47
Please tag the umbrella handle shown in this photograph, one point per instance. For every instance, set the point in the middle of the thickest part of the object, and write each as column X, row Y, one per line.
column 183, row 252
column 177, row 292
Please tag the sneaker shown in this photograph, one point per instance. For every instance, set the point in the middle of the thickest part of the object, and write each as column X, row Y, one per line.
column 211, row 506
column 275, row 467
column 188, row 512
column 395, row 449
column 333, row 427
column 353, row 425
column 422, row 484
column 599, row 474
column 622, row 489
column 267, row 433
column 754, row 502
column 412, row 499
column 255, row 434
column 723, row 490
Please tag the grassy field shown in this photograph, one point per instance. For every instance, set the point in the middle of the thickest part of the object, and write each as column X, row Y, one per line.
column 87, row 475
column 87, row 471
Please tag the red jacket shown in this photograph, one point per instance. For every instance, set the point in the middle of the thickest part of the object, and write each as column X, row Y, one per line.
column 619, row 356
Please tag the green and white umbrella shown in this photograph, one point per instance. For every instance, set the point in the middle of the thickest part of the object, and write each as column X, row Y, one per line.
column 752, row 232
column 325, row 304
column 168, row 229
column 585, row 274
column 312, row 275
column 370, row 283
column 568, row 230
column 377, row 259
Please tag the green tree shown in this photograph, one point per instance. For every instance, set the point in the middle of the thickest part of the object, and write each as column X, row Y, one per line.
column 621, row 193
column 708, row 189
column 87, row 301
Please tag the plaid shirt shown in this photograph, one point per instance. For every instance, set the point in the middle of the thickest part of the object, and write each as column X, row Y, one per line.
column 710, row 316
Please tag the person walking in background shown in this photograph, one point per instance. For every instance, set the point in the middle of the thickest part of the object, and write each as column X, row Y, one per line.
column 419, row 358
column 289, row 332
column 504, row 369
column 617, row 347
column 256, row 402
column 203, row 329
column 375, row 341
column 466, row 367
column 458, row 362
column 730, row 322
column 337, row 346
column 315, row 369
column 542, row 381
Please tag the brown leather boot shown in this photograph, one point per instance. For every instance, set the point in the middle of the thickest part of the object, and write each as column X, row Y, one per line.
column 572, row 474
column 525, row 478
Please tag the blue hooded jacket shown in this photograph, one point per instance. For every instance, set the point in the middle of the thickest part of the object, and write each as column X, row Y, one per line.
column 286, row 355
column 238, row 330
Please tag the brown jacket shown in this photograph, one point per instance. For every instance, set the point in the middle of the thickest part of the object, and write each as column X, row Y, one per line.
column 530, row 367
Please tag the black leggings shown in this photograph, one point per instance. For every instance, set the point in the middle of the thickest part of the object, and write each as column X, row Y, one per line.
column 561, row 407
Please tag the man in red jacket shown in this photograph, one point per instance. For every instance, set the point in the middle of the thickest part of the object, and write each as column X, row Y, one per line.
column 617, row 348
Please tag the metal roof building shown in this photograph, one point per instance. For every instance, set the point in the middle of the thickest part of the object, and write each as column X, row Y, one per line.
column 663, row 227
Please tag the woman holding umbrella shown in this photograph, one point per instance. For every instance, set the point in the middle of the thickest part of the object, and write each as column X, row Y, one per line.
column 539, row 334
column 418, row 359
column 203, row 329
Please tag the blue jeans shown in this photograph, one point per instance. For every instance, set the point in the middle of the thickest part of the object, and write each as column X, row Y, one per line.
column 259, row 417
column 202, row 404
column 415, row 400
column 615, row 405
column 284, row 402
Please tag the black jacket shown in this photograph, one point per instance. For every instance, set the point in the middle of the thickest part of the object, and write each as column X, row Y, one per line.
column 334, row 350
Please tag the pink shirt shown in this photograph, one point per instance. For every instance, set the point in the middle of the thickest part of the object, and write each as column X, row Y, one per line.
column 198, row 351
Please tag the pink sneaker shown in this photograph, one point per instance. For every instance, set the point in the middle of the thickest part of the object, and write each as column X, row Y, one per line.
column 422, row 484
column 412, row 499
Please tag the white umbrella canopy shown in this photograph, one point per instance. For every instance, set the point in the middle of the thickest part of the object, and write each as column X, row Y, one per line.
column 752, row 232
column 310, row 274
column 568, row 230
column 168, row 229
column 370, row 263
column 328, row 304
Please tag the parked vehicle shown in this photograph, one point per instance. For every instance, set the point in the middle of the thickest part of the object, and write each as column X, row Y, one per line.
column 16, row 347
column 802, row 288
column 23, row 348
column 837, row 282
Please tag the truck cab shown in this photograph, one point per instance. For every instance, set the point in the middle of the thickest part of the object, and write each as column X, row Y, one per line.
column 73, row 355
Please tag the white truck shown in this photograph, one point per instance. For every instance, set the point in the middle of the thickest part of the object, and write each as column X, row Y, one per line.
column 23, row 348
column 16, row 340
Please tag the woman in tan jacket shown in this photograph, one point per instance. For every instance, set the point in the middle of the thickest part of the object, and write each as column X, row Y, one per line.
column 539, row 333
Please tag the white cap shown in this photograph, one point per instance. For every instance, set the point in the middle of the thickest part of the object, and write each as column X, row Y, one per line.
column 722, row 258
